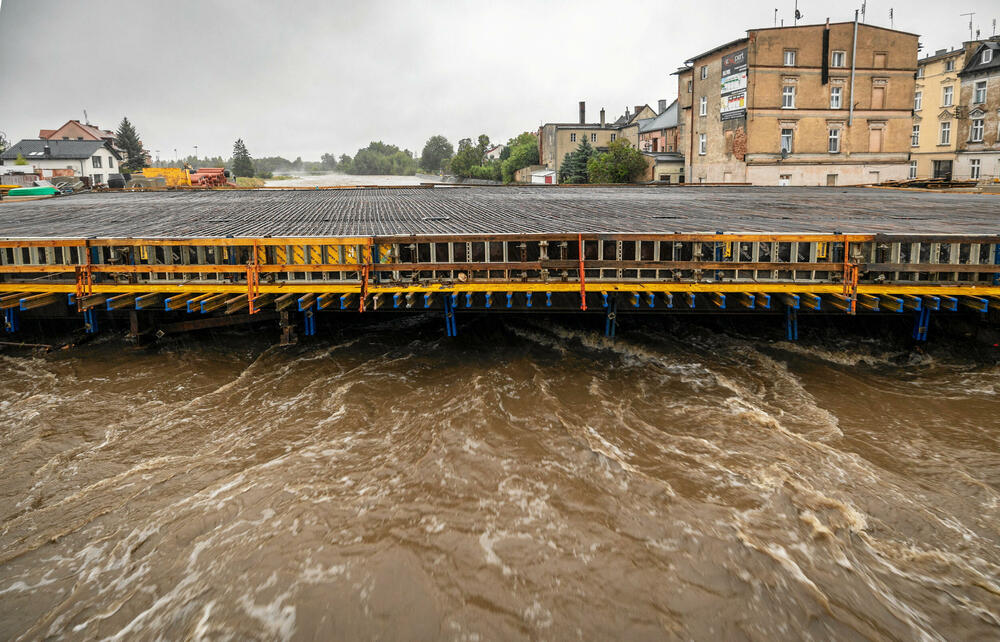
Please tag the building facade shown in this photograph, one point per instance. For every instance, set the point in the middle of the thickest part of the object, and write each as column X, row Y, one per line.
column 659, row 134
column 978, row 130
column 94, row 159
column 804, row 105
column 933, row 137
column 555, row 140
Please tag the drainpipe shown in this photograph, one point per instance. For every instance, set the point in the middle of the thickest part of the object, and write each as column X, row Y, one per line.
column 854, row 54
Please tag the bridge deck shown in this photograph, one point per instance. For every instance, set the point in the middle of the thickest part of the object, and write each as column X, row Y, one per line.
column 484, row 210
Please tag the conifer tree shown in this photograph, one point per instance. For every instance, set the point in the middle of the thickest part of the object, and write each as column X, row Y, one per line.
column 574, row 165
column 128, row 141
column 242, row 161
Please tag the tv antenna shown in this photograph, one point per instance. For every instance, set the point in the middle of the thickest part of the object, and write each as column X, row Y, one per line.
column 970, row 14
column 892, row 22
column 864, row 5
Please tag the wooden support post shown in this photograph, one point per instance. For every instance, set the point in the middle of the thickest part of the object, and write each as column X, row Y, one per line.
column 288, row 334
column 42, row 300
column 121, row 301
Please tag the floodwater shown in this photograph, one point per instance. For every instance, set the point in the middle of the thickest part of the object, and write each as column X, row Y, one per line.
column 334, row 180
column 528, row 479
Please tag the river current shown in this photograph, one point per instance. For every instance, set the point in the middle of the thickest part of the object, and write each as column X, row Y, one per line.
column 528, row 479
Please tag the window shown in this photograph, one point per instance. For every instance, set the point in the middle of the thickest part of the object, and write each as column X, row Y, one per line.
column 789, row 57
column 65, row 137
column 987, row 55
column 572, row 138
column 98, row 179
column 788, row 97
column 593, row 138
column 834, row 141
column 702, row 145
column 786, row 140
column 974, row 168
column 945, row 138
column 946, row 96
column 880, row 60
column 915, row 136
column 918, row 101
column 913, row 169
column 920, row 72
column 704, row 72
column 111, row 161
column 690, row 86
column 703, row 106
column 875, row 136
column 878, row 97
column 976, row 131
column 612, row 137
column 835, row 94
column 979, row 96
column 949, row 65
column 838, row 59
column 96, row 162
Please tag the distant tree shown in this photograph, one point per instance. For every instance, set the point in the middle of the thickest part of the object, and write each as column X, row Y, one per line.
column 437, row 150
column 3, row 142
column 520, row 152
column 242, row 161
column 469, row 156
column 127, row 139
column 20, row 160
column 574, row 165
column 622, row 163
column 297, row 163
column 379, row 159
column 328, row 162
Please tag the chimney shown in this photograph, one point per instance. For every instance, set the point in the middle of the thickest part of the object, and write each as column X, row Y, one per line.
column 638, row 108
column 583, row 112
column 662, row 105
column 602, row 116
column 48, row 151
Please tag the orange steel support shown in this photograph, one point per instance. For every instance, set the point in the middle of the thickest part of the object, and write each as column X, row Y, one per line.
column 253, row 280
column 365, row 269
column 583, row 281
column 850, row 278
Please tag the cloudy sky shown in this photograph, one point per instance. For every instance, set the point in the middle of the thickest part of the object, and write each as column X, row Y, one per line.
column 304, row 77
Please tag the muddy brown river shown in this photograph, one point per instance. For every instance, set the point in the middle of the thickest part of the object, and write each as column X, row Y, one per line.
column 527, row 480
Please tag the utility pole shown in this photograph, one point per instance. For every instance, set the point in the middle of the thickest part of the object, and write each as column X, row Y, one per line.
column 797, row 14
column 776, row 18
column 970, row 14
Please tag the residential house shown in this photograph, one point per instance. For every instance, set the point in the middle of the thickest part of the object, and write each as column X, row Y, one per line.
column 802, row 105
column 75, row 130
column 979, row 121
column 92, row 158
column 659, row 134
column 493, row 153
column 935, row 99
column 664, row 167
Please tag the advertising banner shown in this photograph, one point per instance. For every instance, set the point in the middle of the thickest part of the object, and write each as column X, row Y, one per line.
column 733, row 88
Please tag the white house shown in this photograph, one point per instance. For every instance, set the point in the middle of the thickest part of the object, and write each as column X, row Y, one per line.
column 93, row 158
column 493, row 153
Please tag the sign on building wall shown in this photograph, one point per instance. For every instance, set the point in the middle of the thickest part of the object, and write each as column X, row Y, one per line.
column 734, row 85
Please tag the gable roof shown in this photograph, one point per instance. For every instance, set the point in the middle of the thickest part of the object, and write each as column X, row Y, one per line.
column 87, row 128
column 58, row 149
column 666, row 120
column 976, row 64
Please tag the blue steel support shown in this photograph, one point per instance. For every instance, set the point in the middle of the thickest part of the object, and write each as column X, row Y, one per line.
column 510, row 299
column 922, row 324
column 343, row 301
column 427, row 300
column 309, row 317
column 489, row 299
column 395, row 300
column 548, row 299
column 635, row 299
column 605, row 296
column 611, row 318
column 791, row 324
column 11, row 322
column 689, row 297
column 528, row 298
column 90, row 321
column 449, row 317
column 996, row 261
column 468, row 299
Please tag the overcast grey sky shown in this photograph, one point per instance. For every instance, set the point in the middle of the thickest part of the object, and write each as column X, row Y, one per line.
column 304, row 77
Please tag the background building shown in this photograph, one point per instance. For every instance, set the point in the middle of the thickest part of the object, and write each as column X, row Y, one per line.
column 555, row 140
column 979, row 109
column 93, row 158
column 933, row 137
column 805, row 105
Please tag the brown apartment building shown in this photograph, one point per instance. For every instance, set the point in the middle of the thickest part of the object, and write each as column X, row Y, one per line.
column 827, row 104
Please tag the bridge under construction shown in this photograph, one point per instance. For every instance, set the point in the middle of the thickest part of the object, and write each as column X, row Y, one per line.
column 190, row 259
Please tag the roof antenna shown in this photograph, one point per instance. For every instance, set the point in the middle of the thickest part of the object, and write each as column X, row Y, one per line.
column 970, row 14
column 864, row 5
column 798, row 14
column 776, row 18
column 892, row 22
